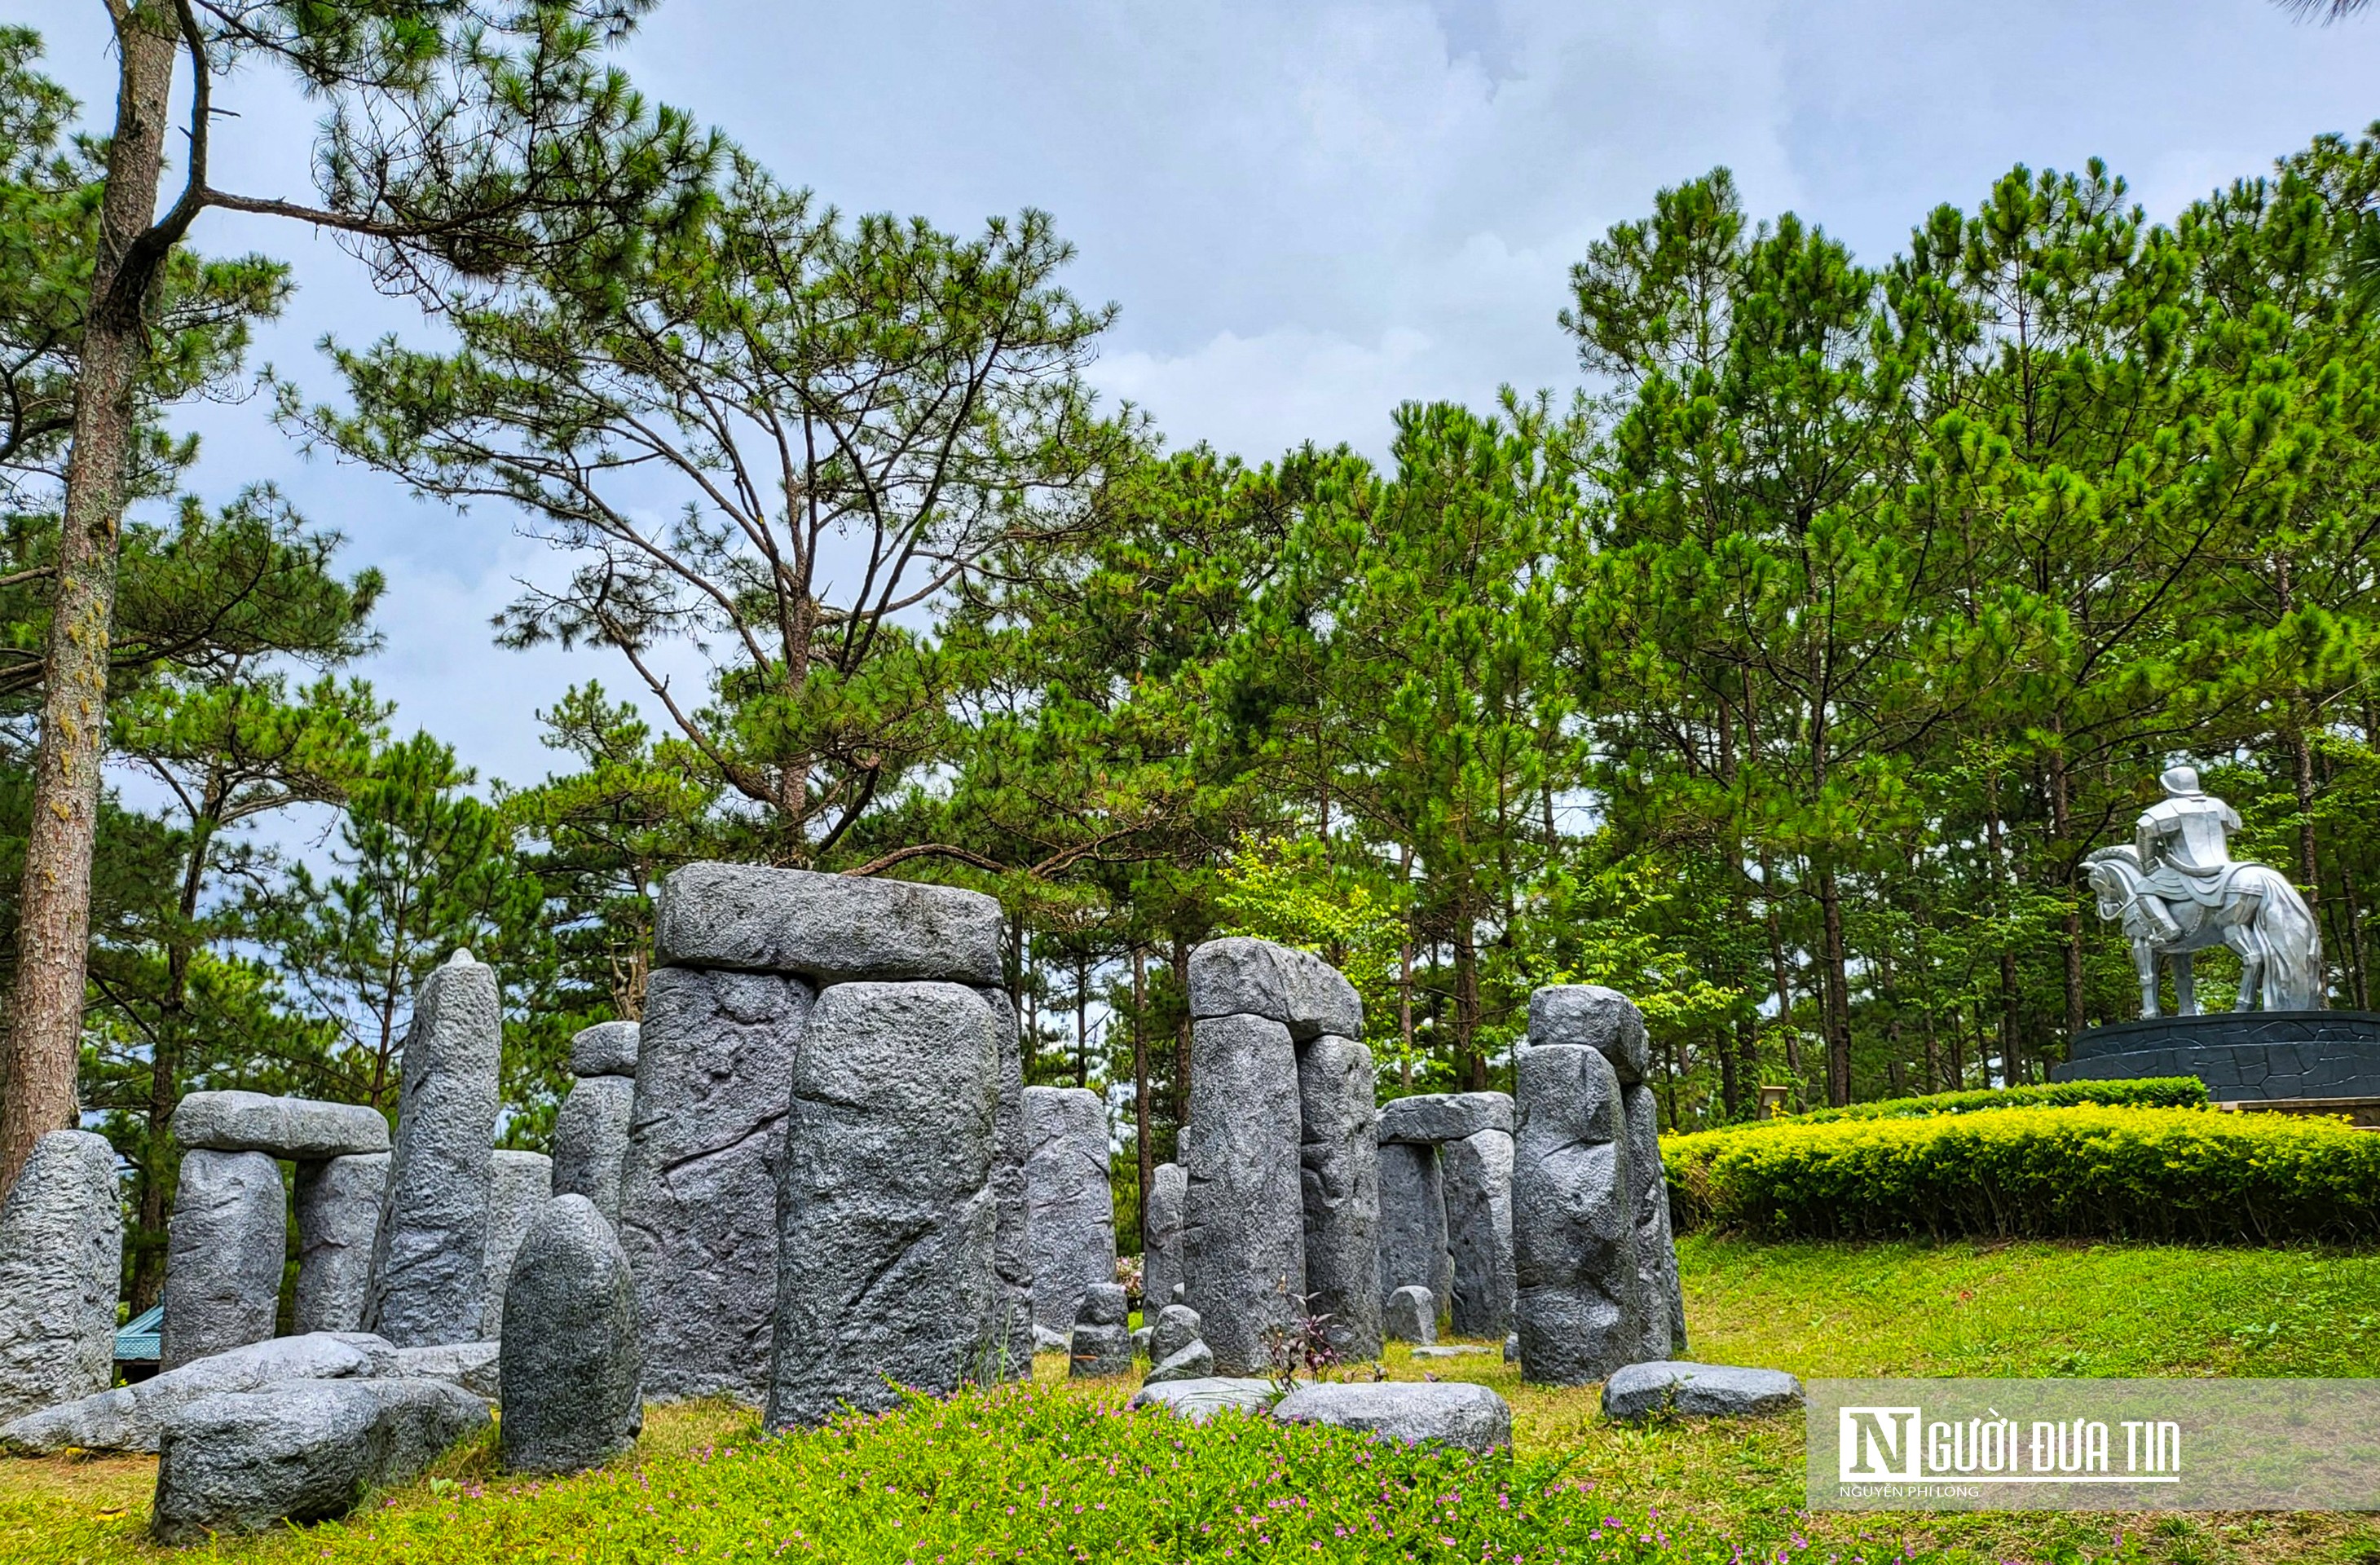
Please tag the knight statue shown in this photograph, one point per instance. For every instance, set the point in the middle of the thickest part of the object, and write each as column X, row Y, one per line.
column 2178, row 891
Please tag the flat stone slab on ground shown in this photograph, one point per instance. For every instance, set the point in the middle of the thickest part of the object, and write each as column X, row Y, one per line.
column 307, row 1451
column 1469, row 1417
column 1445, row 1116
column 1200, row 1399
column 828, row 928
column 1698, row 1391
column 301, row 1129
column 1452, row 1350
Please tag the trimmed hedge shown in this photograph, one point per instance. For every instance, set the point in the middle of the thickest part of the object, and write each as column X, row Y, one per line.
column 2090, row 1172
column 2151, row 1092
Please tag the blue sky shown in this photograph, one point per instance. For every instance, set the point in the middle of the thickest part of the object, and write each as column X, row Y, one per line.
column 1306, row 212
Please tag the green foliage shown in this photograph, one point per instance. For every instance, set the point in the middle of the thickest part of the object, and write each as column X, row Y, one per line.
column 2153, row 1092
column 1288, row 892
column 2081, row 1172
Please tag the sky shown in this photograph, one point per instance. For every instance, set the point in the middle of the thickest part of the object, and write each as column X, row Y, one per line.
column 1306, row 213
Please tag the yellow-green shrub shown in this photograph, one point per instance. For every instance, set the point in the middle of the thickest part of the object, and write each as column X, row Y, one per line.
column 2166, row 1092
column 2087, row 1172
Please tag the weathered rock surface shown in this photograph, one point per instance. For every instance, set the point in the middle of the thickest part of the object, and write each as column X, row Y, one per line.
column 241, row 1461
column 1244, row 1221
column 1241, row 977
column 1412, row 1315
column 1098, row 1351
column 301, row 1129
column 1445, row 1116
column 338, row 1202
column 1176, row 1327
column 1011, row 1346
column 828, row 928
column 1573, row 1229
column 1414, row 1249
column 1468, row 1417
column 698, row 1192
column 61, row 1252
column 129, row 1418
column 478, row 1367
column 1069, row 1208
column 1658, row 1335
column 886, row 1252
column 1698, row 1391
column 1477, row 1174
column 1200, row 1399
column 1192, row 1361
column 429, row 1273
column 1340, row 1184
column 571, row 1366
column 607, row 1048
column 1593, row 1017
column 1451, row 1350
column 519, row 1186
column 224, row 1252
column 590, row 1140
column 1161, row 1260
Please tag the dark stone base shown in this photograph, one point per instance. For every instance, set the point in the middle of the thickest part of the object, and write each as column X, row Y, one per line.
column 2241, row 1056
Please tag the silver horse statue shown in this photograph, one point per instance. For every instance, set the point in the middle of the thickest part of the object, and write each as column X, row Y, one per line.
column 2178, row 891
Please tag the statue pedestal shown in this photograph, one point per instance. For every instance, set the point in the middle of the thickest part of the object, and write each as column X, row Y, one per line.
column 2240, row 1055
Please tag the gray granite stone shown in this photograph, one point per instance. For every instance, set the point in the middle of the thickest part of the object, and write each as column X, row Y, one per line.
column 1593, row 1017
column 224, row 1246
column 1244, row 1221
column 1513, row 1348
column 1414, row 1248
column 1477, row 1174
column 338, row 1203
column 1241, row 977
column 1176, row 1329
column 1445, row 1116
column 1096, row 1352
column 478, row 1367
column 300, row 1129
column 1104, row 1304
column 1451, row 1412
column 1069, row 1208
column 1161, row 1260
column 1339, row 1183
column 699, row 1191
column 61, row 1252
column 828, row 928
column 590, row 1140
column 1412, row 1315
column 607, row 1048
column 130, row 1418
column 1198, row 1400
column 571, row 1369
column 308, row 1451
column 1451, row 1350
column 1192, row 1361
column 1698, row 1391
column 1011, row 1346
column 1573, row 1229
column 887, row 1269
column 1659, row 1335
column 519, row 1186
column 429, row 1272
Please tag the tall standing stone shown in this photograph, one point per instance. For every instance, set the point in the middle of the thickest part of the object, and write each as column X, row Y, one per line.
column 519, row 1186
column 886, row 1256
column 429, row 1273
column 570, row 1366
column 698, row 1197
column 61, row 1252
column 338, row 1204
column 224, row 1253
column 1243, row 1224
column 1161, row 1266
column 1414, row 1250
column 1069, row 1205
column 1477, row 1174
column 1011, row 1345
column 1663, row 1322
column 1573, row 1209
column 1340, row 1178
column 590, row 1140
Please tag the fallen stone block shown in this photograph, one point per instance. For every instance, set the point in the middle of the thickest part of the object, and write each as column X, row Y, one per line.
column 61, row 1252
column 827, row 928
column 1698, row 1391
column 1468, row 1417
column 1451, row 1350
column 1200, row 1399
column 129, row 1417
column 300, row 1129
column 475, row 1367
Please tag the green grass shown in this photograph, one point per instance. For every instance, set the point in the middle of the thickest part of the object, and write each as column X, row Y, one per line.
column 1055, row 1472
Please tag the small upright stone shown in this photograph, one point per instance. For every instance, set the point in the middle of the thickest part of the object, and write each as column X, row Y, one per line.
column 1161, row 1264
column 1573, row 1229
column 1069, row 1207
column 590, row 1140
column 1341, row 1185
column 520, row 1186
column 224, row 1252
column 338, row 1213
column 1412, row 1317
column 61, row 1251
column 429, row 1275
column 1176, row 1329
column 1102, row 1343
column 607, row 1048
column 570, row 1364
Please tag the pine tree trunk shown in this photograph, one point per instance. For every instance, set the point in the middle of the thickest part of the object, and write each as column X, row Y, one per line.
column 1470, row 1070
column 1147, row 1150
column 45, row 1023
column 1181, row 1044
column 1777, row 964
column 1839, row 1016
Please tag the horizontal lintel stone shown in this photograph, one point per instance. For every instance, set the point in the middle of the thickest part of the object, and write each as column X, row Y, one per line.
column 827, row 928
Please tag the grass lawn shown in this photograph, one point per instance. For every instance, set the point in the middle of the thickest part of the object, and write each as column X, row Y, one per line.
column 1052, row 1472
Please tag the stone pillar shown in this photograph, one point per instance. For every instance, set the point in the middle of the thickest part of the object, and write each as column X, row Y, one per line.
column 520, row 1186
column 591, row 1132
column 887, row 1263
column 223, row 1254
column 1476, row 1172
column 429, row 1273
column 1579, row 1302
column 1244, row 1221
column 1340, row 1179
column 1161, row 1266
column 1011, row 1346
column 61, row 1252
column 699, row 1194
column 1069, row 1204
column 570, row 1367
column 1664, row 1327
column 338, row 1214
column 1414, row 1250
